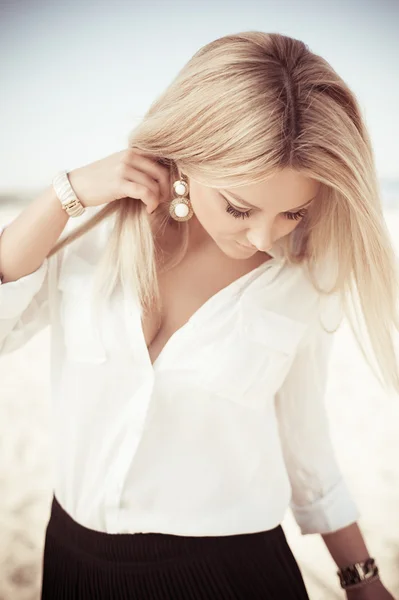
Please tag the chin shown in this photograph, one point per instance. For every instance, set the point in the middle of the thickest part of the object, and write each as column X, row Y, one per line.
column 247, row 249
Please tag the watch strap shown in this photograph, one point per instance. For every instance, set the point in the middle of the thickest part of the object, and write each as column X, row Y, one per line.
column 358, row 573
column 69, row 201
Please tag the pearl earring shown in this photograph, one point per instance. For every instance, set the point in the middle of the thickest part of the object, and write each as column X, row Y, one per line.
column 180, row 208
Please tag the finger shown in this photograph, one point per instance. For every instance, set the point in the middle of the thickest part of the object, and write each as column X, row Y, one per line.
column 133, row 189
column 139, row 176
column 158, row 172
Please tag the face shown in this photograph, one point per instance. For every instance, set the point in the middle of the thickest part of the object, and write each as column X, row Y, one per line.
column 249, row 219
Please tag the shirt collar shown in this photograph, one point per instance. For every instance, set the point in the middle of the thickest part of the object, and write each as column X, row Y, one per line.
column 276, row 251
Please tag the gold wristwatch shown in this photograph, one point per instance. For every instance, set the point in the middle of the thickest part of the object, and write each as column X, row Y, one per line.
column 69, row 201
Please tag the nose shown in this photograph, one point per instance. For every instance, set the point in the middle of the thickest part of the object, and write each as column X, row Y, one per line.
column 263, row 248
column 261, row 242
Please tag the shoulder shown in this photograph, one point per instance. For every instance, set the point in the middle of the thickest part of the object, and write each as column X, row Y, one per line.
column 77, row 262
column 290, row 291
column 90, row 245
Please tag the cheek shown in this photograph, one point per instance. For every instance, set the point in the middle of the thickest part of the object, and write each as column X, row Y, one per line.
column 285, row 226
column 212, row 216
column 204, row 209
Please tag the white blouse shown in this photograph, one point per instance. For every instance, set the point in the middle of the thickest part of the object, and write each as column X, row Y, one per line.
column 220, row 436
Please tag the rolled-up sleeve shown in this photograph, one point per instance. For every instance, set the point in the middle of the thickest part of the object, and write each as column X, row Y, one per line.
column 321, row 501
column 27, row 304
column 23, row 307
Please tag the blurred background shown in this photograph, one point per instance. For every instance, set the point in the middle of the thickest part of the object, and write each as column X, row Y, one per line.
column 75, row 78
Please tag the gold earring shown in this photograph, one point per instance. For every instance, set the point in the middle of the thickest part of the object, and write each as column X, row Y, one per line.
column 180, row 208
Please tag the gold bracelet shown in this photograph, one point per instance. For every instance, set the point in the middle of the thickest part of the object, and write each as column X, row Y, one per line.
column 358, row 574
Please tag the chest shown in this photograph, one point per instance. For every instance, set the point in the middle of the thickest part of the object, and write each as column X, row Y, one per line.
column 185, row 288
column 237, row 346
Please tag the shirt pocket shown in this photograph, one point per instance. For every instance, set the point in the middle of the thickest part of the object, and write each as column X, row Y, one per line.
column 252, row 358
column 82, row 337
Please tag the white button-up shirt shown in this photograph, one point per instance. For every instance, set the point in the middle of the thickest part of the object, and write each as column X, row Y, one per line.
column 220, row 436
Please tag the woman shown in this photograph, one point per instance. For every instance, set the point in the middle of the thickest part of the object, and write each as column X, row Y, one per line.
column 191, row 325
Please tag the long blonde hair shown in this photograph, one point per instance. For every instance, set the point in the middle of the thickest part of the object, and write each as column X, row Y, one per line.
column 245, row 106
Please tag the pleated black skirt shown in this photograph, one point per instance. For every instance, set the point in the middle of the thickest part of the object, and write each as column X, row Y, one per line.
column 81, row 564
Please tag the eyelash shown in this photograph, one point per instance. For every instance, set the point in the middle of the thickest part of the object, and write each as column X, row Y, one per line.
column 288, row 215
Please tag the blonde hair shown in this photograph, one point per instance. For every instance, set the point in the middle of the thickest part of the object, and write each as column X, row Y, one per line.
column 245, row 106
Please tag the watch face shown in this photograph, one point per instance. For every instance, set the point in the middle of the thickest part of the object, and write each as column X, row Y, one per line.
column 74, row 208
column 358, row 572
column 69, row 202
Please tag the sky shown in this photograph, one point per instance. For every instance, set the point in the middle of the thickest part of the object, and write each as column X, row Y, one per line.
column 76, row 77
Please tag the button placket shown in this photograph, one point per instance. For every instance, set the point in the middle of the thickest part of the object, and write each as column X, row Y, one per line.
column 135, row 415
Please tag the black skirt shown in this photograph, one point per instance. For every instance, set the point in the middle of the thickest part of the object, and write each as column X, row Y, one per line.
column 81, row 564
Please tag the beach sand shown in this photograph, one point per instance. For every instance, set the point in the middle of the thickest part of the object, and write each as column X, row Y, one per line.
column 364, row 428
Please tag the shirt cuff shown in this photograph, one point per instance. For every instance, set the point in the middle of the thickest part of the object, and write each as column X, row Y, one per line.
column 333, row 511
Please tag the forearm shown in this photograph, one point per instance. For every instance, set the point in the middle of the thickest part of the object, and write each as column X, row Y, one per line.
column 28, row 239
column 346, row 545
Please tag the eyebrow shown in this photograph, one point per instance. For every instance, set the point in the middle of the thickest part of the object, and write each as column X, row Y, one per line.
column 249, row 205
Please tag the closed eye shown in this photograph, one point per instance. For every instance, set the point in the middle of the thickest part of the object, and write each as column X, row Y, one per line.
column 236, row 213
column 296, row 215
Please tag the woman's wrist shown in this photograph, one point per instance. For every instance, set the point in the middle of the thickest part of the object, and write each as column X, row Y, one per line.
column 358, row 574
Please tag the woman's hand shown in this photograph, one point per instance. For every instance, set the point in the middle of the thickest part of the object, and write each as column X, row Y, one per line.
column 374, row 590
column 128, row 173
